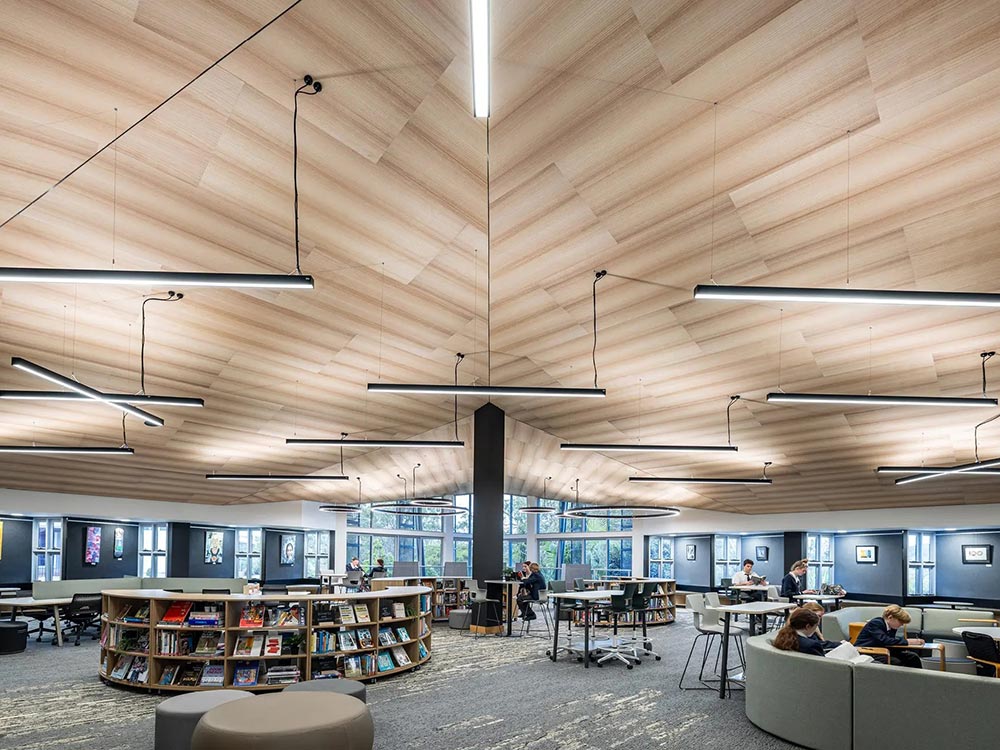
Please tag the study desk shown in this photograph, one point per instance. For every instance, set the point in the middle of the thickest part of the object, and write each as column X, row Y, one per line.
column 501, row 589
column 587, row 598
column 821, row 598
column 7, row 591
column 751, row 610
column 992, row 632
column 952, row 605
column 17, row 603
column 758, row 591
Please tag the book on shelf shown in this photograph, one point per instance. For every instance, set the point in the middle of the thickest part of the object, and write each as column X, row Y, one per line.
column 189, row 675
column 138, row 614
column 168, row 674
column 361, row 613
column 346, row 612
column 213, row 675
column 368, row 664
column 324, row 614
column 365, row 638
column 252, row 616
column 245, row 673
column 422, row 649
column 209, row 643
column 403, row 633
column 352, row 666
column 281, row 675
column 385, row 637
column 285, row 616
column 272, row 644
column 122, row 667
column 425, row 603
column 398, row 609
column 345, row 639
column 250, row 644
column 105, row 632
column 424, row 630
column 385, row 663
column 399, row 654
column 176, row 613
column 139, row 671
column 204, row 618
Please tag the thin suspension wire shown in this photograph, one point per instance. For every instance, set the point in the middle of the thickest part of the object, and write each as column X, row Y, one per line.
column 985, row 356
column 639, row 437
column 781, row 318
column 489, row 275
column 145, row 117
column 171, row 297
column 975, row 433
column 848, row 207
column 458, row 360
column 295, row 164
column 869, row 360
column 729, row 424
column 593, row 354
column 124, row 436
column 715, row 156
column 381, row 320
column 114, row 198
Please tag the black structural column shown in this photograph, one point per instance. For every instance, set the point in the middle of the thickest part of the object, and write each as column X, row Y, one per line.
column 487, row 488
column 178, row 549
column 795, row 548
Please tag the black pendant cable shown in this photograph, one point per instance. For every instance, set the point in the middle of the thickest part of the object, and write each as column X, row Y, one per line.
column 316, row 86
column 540, row 509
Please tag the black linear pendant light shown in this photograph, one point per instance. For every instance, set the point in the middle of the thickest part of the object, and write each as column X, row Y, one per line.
column 762, row 479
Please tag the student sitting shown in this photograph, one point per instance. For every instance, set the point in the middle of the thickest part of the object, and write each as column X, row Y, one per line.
column 800, row 634
column 880, row 632
column 795, row 581
column 820, row 611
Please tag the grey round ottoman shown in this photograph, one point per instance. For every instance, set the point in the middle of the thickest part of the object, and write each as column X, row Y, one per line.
column 460, row 619
column 299, row 720
column 344, row 687
column 177, row 717
column 13, row 637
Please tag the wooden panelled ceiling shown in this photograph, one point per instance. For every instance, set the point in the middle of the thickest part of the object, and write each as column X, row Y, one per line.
column 814, row 143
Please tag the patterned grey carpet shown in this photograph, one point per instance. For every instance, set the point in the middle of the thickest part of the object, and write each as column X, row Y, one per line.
column 475, row 694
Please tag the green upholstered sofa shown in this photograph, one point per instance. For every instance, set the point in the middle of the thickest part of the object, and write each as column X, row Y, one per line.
column 929, row 624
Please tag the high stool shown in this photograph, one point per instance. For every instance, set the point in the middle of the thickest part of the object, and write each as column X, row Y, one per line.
column 177, row 717
column 13, row 637
column 543, row 607
column 341, row 686
column 486, row 619
column 299, row 720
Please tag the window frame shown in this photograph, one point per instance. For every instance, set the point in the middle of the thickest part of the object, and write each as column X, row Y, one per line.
column 921, row 565
column 250, row 556
column 50, row 551
column 664, row 563
column 156, row 554
column 820, row 570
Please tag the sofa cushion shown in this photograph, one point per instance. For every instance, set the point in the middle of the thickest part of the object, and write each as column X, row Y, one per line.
column 835, row 625
column 923, row 708
column 938, row 623
column 803, row 699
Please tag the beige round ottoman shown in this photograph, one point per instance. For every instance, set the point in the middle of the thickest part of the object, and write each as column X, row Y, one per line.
column 302, row 720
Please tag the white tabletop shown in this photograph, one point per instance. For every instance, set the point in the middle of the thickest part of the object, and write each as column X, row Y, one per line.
column 750, row 587
column 819, row 597
column 504, row 583
column 992, row 632
column 590, row 595
column 8, row 588
column 29, row 601
column 755, row 608
column 956, row 604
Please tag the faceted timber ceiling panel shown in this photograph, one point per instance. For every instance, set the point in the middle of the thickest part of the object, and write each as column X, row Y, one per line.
column 672, row 143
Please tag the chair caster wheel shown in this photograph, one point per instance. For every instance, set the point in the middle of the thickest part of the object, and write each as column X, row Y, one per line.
column 579, row 659
column 630, row 666
column 548, row 653
column 599, row 664
column 638, row 661
column 658, row 658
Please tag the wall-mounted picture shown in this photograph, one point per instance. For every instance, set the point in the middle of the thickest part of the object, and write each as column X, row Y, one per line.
column 119, row 552
column 692, row 552
column 761, row 554
column 287, row 549
column 977, row 554
column 866, row 553
column 92, row 546
column 213, row 547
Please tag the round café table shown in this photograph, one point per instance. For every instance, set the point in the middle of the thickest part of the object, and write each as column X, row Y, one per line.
column 992, row 632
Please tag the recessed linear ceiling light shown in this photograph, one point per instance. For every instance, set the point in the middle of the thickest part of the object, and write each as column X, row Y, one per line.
column 933, row 470
column 832, row 398
column 114, row 398
column 960, row 469
column 479, row 11
column 278, row 477
column 487, row 390
column 847, row 296
column 54, row 377
column 646, row 447
column 377, row 443
column 156, row 278
column 86, row 451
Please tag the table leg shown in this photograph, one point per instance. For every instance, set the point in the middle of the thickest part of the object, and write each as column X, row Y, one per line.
column 555, row 630
column 58, row 625
column 510, row 609
column 724, row 677
column 586, row 635
column 941, row 666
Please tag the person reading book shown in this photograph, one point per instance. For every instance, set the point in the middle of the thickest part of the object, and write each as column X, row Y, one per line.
column 746, row 576
column 799, row 634
column 880, row 632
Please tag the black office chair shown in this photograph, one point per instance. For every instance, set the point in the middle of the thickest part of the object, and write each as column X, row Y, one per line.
column 620, row 649
column 984, row 651
column 354, row 579
column 578, row 584
column 378, row 574
column 40, row 615
column 83, row 612
column 225, row 592
column 641, row 604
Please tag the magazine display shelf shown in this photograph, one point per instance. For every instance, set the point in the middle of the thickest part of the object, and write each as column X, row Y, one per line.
column 449, row 592
column 124, row 603
column 662, row 605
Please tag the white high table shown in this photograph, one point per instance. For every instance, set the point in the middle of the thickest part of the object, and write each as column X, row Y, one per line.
column 751, row 610
column 588, row 598
column 17, row 603
column 821, row 598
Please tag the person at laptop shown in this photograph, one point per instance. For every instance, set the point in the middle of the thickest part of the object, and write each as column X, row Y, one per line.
column 795, row 581
column 378, row 567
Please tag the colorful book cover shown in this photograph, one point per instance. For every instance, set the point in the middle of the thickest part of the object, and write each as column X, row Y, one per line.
column 385, row 662
column 347, row 615
column 122, row 668
column 213, row 675
column 398, row 609
column 352, row 666
column 189, row 675
column 422, row 650
column 361, row 613
column 272, row 644
column 245, row 673
column 176, row 613
column 403, row 633
column 207, row 644
column 400, row 656
column 345, row 640
column 169, row 673
column 252, row 616
column 385, row 637
column 365, row 638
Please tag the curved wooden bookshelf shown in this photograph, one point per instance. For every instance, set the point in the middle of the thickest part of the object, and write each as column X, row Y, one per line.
column 159, row 656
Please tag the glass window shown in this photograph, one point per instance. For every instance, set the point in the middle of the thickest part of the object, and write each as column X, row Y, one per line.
column 547, row 523
column 153, row 550
column 820, row 554
column 430, row 556
column 249, row 548
column 48, row 550
column 920, row 563
column 316, row 557
column 661, row 557
column 463, row 550
column 463, row 521
column 728, row 560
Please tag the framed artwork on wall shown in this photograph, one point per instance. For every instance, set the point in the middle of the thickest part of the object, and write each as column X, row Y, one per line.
column 119, row 552
column 213, row 547
column 92, row 546
column 761, row 554
column 287, row 549
column 977, row 554
column 692, row 552
column 866, row 553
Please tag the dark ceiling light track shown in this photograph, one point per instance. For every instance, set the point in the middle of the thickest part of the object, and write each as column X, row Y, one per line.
column 278, row 477
column 86, row 391
column 123, row 450
column 934, row 470
column 352, row 443
column 845, row 296
column 486, row 390
column 860, row 399
column 970, row 469
column 763, row 479
column 139, row 399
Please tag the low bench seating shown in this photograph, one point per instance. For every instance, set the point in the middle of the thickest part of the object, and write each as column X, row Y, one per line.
column 342, row 686
column 929, row 624
column 827, row 704
column 177, row 717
